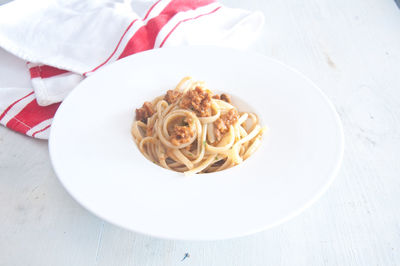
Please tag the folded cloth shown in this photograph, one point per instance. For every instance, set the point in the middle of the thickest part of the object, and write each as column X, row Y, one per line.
column 65, row 41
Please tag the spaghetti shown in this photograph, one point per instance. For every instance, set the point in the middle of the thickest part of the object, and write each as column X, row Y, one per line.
column 191, row 130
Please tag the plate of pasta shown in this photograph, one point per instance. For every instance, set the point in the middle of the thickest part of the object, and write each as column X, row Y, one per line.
column 196, row 143
column 192, row 130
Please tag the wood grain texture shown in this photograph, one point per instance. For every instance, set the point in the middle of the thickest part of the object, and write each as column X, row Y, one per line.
column 351, row 50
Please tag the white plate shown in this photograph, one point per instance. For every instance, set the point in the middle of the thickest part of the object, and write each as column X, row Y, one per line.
column 96, row 160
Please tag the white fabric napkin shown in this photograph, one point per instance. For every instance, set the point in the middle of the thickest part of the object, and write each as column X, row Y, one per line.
column 65, row 41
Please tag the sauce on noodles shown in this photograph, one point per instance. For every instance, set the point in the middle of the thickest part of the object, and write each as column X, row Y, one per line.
column 192, row 130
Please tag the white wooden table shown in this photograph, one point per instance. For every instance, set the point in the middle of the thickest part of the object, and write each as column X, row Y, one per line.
column 351, row 49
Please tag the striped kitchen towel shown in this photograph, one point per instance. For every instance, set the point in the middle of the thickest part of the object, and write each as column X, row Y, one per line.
column 62, row 42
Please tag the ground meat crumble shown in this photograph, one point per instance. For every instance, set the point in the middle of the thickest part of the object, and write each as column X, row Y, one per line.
column 181, row 135
column 197, row 100
column 172, row 96
column 223, row 97
column 226, row 98
column 144, row 112
column 222, row 124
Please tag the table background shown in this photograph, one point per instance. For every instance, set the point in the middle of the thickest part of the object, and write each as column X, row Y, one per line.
column 351, row 49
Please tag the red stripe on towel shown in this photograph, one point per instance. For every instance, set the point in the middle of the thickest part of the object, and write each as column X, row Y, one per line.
column 145, row 37
column 41, row 130
column 122, row 37
column 151, row 8
column 115, row 50
column 31, row 115
column 166, row 37
column 11, row 105
column 45, row 71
